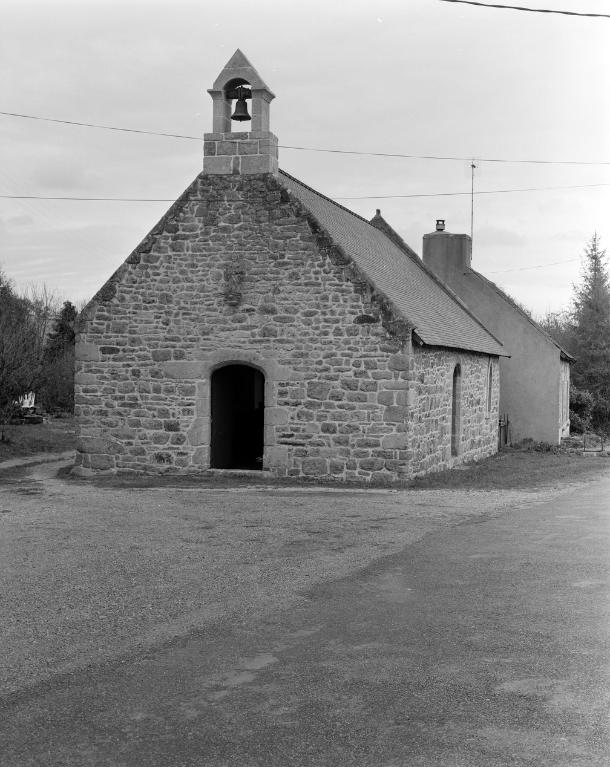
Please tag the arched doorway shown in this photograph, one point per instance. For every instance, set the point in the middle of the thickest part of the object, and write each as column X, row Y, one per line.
column 455, row 410
column 237, row 411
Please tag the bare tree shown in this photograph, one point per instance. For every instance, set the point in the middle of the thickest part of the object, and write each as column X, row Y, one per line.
column 20, row 353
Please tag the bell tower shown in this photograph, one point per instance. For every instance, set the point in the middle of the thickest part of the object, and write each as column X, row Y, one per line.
column 226, row 151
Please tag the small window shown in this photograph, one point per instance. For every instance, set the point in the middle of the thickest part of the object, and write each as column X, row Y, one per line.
column 455, row 410
column 490, row 381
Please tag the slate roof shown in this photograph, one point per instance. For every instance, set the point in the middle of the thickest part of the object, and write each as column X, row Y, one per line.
column 492, row 285
column 438, row 315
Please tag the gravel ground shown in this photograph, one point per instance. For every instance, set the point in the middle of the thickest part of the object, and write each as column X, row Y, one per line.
column 93, row 573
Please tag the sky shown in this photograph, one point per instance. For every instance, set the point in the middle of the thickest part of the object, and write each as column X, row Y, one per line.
column 416, row 77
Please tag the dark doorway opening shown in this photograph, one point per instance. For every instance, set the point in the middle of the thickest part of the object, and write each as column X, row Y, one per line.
column 238, row 400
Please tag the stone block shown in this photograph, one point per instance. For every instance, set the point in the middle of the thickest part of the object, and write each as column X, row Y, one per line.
column 396, row 414
column 86, row 352
column 99, row 445
column 217, row 166
column 259, row 163
column 182, row 369
column 161, row 355
column 349, row 428
column 82, row 379
column 398, row 362
column 314, row 467
column 368, row 442
column 371, row 464
column 201, row 457
column 198, row 434
column 101, row 462
column 385, row 398
column 248, row 147
column 276, row 416
column 227, row 147
column 276, row 456
column 394, row 442
column 318, row 390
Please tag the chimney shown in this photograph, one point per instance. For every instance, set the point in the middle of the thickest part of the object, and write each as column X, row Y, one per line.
column 446, row 253
column 231, row 152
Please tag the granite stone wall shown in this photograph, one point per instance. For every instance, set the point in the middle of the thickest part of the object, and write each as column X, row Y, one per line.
column 238, row 272
column 432, row 402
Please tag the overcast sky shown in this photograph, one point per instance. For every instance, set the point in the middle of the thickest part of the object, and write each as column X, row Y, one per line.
column 421, row 77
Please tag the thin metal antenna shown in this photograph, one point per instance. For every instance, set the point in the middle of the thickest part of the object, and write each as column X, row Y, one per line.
column 472, row 168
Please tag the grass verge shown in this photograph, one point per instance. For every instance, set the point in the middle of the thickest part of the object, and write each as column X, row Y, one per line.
column 55, row 436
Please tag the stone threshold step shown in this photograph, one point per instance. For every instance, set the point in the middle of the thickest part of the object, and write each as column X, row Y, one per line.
column 254, row 473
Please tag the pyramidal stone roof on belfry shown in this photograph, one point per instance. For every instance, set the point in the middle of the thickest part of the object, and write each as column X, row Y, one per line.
column 438, row 316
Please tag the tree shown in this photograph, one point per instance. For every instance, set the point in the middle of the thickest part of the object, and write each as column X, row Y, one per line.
column 561, row 329
column 20, row 361
column 591, row 327
column 57, row 390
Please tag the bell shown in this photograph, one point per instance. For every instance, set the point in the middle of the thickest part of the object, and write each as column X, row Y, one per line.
column 241, row 111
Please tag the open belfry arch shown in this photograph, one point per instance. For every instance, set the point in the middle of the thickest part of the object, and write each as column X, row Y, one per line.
column 261, row 326
column 246, row 152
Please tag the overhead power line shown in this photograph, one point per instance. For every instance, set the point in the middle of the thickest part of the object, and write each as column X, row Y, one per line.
column 483, row 191
column 445, row 157
column 101, row 127
column 364, row 197
column 84, row 199
column 315, row 149
column 538, row 266
column 529, row 10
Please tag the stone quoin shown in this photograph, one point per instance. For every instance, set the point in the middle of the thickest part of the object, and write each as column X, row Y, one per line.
column 259, row 325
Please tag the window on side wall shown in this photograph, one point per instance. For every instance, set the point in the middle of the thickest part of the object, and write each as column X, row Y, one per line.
column 490, row 381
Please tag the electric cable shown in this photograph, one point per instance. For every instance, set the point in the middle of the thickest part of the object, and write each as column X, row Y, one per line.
column 364, row 197
column 537, row 266
column 530, row 10
column 315, row 149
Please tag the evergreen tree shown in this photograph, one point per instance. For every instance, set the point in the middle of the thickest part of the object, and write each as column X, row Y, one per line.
column 591, row 323
column 61, row 338
column 57, row 391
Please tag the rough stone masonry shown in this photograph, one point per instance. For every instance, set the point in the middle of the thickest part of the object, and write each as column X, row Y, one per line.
column 239, row 272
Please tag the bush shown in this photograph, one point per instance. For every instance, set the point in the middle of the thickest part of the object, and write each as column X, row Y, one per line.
column 581, row 410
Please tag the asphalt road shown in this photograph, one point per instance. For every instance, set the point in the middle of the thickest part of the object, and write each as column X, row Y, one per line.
column 484, row 644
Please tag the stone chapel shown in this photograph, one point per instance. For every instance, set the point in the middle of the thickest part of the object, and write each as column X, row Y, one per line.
column 261, row 326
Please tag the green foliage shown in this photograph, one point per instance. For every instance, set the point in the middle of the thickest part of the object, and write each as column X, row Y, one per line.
column 561, row 329
column 581, row 410
column 31, row 357
column 61, row 338
column 584, row 332
column 57, row 386
column 20, row 362
column 591, row 323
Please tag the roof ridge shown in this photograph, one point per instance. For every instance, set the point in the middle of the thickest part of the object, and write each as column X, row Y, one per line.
column 329, row 199
column 516, row 306
column 410, row 252
column 392, row 234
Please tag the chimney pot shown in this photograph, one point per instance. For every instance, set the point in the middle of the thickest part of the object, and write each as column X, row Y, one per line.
column 440, row 224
